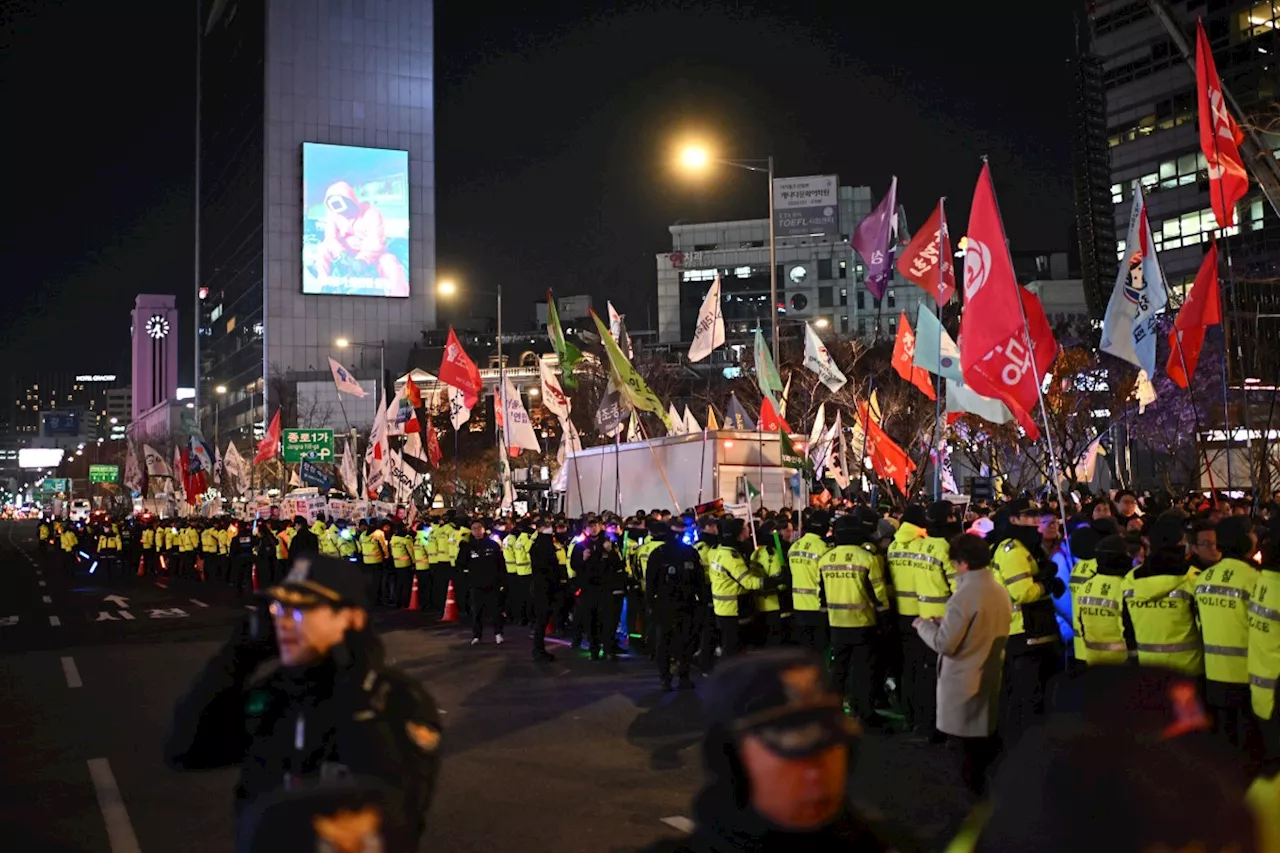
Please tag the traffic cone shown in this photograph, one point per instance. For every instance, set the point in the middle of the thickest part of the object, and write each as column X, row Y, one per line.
column 142, row 567
column 450, row 606
column 551, row 625
column 255, row 577
column 413, row 595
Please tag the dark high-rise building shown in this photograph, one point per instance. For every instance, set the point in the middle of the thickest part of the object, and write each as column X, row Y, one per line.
column 1095, row 227
column 316, row 212
column 1153, row 139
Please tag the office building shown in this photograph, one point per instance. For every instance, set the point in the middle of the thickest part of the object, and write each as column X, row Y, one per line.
column 316, row 215
column 820, row 278
column 1152, row 136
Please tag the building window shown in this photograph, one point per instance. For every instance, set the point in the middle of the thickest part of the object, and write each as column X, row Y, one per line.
column 844, row 325
column 862, row 300
column 1192, row 228
column 844, row 269
column 893, row 325
column 844, row 296
column 1263, row 19
column 825, row 297
column 824, row 268
column 862, row 327
column 1117, row 193
column 892, row 297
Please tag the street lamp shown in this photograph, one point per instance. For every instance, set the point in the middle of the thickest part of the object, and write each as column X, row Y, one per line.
column 219, row 392
column 697, row 158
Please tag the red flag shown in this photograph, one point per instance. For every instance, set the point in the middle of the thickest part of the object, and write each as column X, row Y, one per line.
column 412, row 392
column 904, row 351
column 270, row 444
column 458, row 370
column 434, row 454
column 997, row 356
column 1220, row 136
column 1201, row 310
column 919, row 261
column 887, row 459
column 770, row 420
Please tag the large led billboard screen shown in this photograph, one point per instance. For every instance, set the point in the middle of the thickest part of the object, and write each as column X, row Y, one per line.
column 355, row 211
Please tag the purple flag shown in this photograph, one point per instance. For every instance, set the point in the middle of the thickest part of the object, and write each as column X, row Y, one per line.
column 871, row 239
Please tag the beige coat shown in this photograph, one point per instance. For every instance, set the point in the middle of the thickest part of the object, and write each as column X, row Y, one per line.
column 970, row 642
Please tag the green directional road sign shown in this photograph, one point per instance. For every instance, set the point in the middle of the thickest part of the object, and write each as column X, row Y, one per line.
column 104, row 473
column 312, row 445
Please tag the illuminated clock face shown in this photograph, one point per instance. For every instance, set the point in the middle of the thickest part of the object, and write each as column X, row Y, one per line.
column 797, row 274
column 157, row 327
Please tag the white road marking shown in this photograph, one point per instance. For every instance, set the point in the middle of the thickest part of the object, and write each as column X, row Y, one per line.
column 198, row 602
column 72, row 674
column 120, row 834
column 46, row 599
column 680, row 823
column 162, row 585
column 55, row 621
column 8, row 620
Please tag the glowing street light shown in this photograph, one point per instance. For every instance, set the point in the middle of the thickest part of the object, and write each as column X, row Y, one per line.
column 821, row 322
column 446, row 287
column 220, row 389
column 342, row 343
column 695, row 157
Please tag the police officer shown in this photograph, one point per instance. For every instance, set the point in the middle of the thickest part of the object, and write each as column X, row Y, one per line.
column 1034, row 654
column 1097, row 604
column 586, row 590
column 901, row 561
column 853, row 597
column 1160, row 603
column 673, row 594
column 806, row 600
column 732, row 582
column 935, row 583
column 546, row 586
column 240, row 559
column 481, row 561
column 331, row 709
column 1223, row 593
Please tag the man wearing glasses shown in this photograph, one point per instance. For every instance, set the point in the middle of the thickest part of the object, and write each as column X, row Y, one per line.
column 301, row 698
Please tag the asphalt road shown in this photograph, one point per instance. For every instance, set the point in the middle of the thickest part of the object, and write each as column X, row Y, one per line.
column 574, row 756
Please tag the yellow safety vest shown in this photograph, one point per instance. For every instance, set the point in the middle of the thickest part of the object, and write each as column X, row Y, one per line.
column 401, row 552
column 847, row 577
column 1264, row 643
column 640, row 559
column 1017, row 569
column 329, row 542
column 148, row 539
column 371, row 548
column 935, row 582
column 1223, row 592
column 730, row 578
column 209, row 540
column 422, row 550
column 1162, row 609
column 806, row 593
column 1098, row 610
column 1081, row 573
column 902, row 568
column 346, row 542
column 765, row 561
column 283, row 540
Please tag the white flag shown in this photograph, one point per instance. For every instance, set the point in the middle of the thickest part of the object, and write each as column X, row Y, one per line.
column 294, row 482
column 156, row 465
column 1129, row 330
column 782, row 401
column 347, row 471
column 234, row 465
column 677, row 422
column 344, row 381
column 946, row 476
column 375, row 457
column 838, row 456
column 132, row 470
column 1087, row 464
column 508, row 492
column 404, row 477
column 690, row 422
column 815, row 435
column 818, row 360
column 517, row 428
column 633, row 428
column 1144, row 391
column 569, row 443
column 553, row 396
column 615, row 323
column 709, row 332
column 459, row 414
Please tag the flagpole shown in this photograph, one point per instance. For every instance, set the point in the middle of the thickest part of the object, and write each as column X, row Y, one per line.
column 617, row 476
column 937, row 378
column 1226, row 336
column 1055, row 469
column 866, row 428
column 675, row 502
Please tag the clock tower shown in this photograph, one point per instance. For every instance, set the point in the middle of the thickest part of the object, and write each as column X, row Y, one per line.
column 155, row 351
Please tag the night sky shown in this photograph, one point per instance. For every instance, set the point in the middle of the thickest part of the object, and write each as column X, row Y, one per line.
column 555, row 132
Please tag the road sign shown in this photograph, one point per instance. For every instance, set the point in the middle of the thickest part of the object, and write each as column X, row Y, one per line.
column 104, row 473
column 315, row 445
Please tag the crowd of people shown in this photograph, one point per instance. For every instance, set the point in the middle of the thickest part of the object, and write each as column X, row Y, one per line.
column 974, row 625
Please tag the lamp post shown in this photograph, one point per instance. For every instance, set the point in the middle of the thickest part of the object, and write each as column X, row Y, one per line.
column 696, row 158
column 447, row 287
column 219, row 392
column 381, row 346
